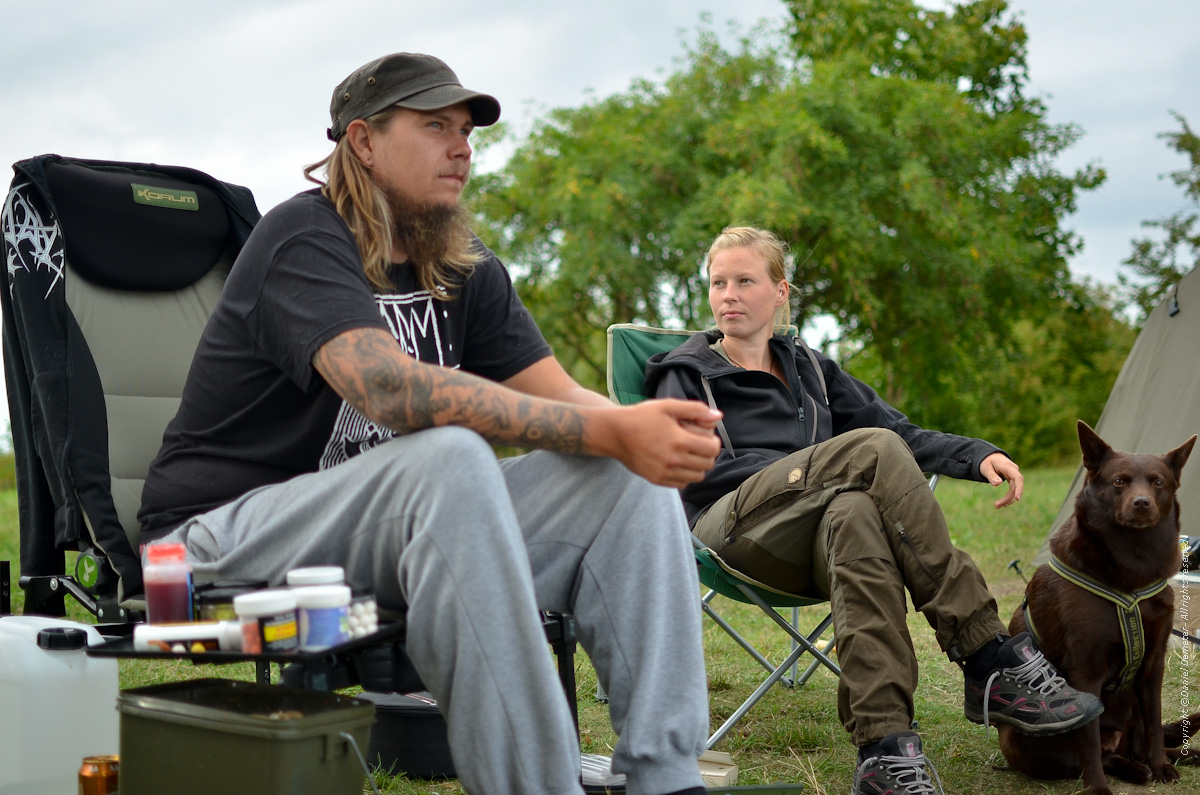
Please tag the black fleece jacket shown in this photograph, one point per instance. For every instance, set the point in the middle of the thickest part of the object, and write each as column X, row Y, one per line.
column 766, row 421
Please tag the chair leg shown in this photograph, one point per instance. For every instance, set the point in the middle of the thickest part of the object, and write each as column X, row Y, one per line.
column 801, row 644
column 720, row 621
column 755, row 696
column 808, row 642
column 560, row 633
column 820, row 657
column 5, row 589
column 795, row 626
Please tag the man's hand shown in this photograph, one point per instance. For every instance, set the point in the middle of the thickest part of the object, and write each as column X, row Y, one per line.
column 668, row 442
column 997, row 468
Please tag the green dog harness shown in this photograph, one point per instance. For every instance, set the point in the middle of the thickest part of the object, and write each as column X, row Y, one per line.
column 1129, row 616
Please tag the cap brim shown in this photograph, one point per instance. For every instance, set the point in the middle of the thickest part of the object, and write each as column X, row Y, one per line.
column 485, row 109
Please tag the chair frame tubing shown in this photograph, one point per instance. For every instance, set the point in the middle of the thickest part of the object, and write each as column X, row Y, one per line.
column 801, row 644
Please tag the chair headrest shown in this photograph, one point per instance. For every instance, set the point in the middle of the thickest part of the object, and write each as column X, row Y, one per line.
column 137, row 230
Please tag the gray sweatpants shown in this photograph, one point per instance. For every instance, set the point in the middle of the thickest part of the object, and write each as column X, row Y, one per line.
column 475, row 547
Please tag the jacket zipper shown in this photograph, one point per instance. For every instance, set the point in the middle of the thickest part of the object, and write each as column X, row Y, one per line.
column 813, row 430
column 800, row 413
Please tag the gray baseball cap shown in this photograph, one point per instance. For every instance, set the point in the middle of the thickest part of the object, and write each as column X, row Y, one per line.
column 419, row 82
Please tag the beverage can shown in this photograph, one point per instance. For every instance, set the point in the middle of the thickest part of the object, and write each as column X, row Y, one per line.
column 98, row 775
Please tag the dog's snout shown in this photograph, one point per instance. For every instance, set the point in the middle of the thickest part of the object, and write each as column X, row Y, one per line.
column 1140, row 510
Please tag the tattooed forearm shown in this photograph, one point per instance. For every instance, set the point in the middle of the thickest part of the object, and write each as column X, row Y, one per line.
column 367, row 368
column 562, row 432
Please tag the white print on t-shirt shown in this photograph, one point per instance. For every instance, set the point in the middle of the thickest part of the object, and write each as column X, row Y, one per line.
column 413, row 320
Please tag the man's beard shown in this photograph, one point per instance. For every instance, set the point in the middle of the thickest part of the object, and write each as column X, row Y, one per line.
column 426, row 232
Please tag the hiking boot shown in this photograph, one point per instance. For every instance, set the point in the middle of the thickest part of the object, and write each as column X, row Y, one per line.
column 899, row 769
column 1027, row 693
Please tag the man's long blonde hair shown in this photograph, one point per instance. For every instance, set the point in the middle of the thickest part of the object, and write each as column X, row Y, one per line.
column 767, row 245
column 365, row 208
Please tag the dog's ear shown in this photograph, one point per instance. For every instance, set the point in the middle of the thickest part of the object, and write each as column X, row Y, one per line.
column 1095, row 449
column 1179, row 456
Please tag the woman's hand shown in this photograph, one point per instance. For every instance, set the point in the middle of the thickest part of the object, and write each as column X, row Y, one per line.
column 996, row 469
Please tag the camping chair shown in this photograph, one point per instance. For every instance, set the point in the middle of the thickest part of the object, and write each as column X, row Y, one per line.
column 629, row 346
column 113, row 271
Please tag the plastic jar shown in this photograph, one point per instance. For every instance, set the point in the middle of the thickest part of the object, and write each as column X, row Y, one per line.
column 316, row 575
column 168, row 579
column 214, row 600
column 324, row 615
column 268, row 621
column 195, row 638
column 364, row 614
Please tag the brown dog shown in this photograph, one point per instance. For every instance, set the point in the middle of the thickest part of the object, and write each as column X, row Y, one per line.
column 1124, row 537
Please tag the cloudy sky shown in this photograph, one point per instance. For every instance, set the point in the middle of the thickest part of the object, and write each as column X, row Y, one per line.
column 240, row 88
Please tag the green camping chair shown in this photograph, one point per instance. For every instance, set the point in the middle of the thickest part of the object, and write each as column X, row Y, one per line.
column 629, row 346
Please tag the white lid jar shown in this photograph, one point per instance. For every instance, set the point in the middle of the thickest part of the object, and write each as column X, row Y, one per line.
column 316, row 575
column 324, row 615
column 317, row 596
column 268, row 620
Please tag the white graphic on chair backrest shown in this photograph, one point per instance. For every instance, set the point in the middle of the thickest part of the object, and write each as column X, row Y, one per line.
column 29, row 242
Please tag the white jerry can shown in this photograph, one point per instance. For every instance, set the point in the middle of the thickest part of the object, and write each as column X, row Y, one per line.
column 57, row 705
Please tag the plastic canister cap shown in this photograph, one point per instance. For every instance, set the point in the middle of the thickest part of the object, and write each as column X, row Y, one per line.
column 316, row 575
column 61, row 639
column 319, row 596
column 264, row 603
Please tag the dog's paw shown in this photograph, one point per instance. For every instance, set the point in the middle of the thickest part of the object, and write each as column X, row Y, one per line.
column 1166, row 773
column 1129, row 770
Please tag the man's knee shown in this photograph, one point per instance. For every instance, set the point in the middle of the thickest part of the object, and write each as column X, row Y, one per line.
column 602, row 478
column 455, row 456
column 435, row 471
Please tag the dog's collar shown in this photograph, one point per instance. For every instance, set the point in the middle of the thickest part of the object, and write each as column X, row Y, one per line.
column 1128, row 616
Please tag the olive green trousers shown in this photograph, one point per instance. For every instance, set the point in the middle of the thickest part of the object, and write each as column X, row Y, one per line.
column 853, row 520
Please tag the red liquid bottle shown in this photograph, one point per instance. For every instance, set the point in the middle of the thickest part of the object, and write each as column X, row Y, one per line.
column 168, row 580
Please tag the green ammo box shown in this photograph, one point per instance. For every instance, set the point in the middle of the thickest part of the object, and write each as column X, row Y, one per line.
column 220, row 736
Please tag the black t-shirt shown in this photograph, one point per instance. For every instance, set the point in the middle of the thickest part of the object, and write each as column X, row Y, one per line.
column 255, row 412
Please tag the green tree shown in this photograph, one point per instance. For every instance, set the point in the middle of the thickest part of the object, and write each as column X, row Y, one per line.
column 892, row 145
column 1060, row 370
column 1157, row 263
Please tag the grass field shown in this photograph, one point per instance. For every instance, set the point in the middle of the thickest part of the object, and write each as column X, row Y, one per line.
column 794, row 735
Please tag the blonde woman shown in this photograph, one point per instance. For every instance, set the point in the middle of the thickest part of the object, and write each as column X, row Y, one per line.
column 819, row 490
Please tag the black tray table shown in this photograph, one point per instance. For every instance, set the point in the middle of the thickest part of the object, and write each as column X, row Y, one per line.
column 319, row 664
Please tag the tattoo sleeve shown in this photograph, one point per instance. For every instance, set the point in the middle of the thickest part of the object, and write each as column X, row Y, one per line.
column 368, row 369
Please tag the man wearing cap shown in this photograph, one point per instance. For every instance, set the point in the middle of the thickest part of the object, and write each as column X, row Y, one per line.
column 365, row 351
